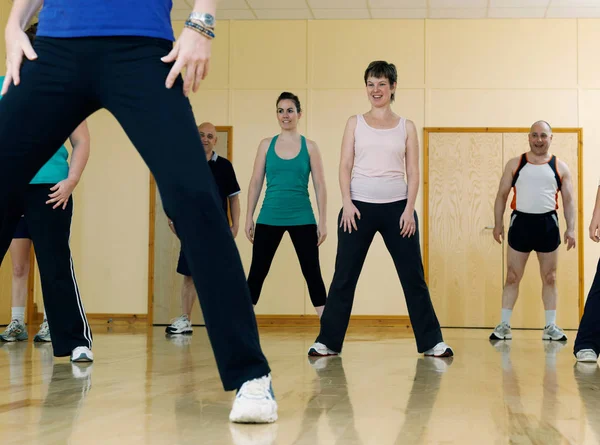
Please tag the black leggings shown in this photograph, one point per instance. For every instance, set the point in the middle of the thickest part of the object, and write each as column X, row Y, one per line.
column 304, row 238
column 73, row 78
column 351, row 254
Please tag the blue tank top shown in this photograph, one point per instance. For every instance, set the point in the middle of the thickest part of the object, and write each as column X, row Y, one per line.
column 89, row 18
column 287, row 202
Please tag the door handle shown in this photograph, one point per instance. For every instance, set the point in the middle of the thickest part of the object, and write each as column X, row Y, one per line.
column 488, row 228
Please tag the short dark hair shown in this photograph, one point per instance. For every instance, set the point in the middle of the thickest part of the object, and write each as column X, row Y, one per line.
column 290, row 96
column 32, row 32
column 382, row 69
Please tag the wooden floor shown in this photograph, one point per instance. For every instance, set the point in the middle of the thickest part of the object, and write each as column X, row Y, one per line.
column 146, row 389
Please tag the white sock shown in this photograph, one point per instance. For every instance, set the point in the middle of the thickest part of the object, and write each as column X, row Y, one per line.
column 18, row 313
column 506, row 314
column 550, row 317
column 45, row 316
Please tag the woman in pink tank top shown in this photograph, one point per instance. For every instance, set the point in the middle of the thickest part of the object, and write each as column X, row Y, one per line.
column 379, row 180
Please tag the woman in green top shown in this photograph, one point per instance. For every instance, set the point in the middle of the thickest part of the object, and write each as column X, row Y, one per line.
column 46, row 213
column 287, row 160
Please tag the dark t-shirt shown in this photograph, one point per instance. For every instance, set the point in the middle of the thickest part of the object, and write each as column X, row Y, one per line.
column 225, row 178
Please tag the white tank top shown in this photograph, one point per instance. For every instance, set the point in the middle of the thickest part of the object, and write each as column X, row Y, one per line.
column 379, row 163
column 536, row 186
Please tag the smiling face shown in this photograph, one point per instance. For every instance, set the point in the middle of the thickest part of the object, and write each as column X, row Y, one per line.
column 540, row 138
column 380, row 91
column 208, row 135
column 287, row 114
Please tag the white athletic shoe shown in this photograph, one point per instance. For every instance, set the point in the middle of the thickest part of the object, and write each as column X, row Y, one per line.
column 502, row 332
column 255, row 402
column 554, row 333
column 587, row 356
column 320, row 350
column 440, row 350
column 181, row 325
column 82, row 354
column 15, row 331
column 43, row 334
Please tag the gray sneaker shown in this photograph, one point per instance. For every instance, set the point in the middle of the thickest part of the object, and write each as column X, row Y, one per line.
column 502, row 332
column 15, row 331
column 553, row 332
column 43, row 334
column 181, row 325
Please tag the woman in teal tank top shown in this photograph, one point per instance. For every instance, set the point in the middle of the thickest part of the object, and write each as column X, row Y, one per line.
column 46, row 211
column 287, row 160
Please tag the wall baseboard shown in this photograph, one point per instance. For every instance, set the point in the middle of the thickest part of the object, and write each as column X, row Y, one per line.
column 268, row 320
column 263, row 320
column 117, row 319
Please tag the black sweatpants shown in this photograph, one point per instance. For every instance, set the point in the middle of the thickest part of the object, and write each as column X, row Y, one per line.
column 304, row 238
column 73, row 78
column 50, row 230
column 588, row 335
column 351, row 253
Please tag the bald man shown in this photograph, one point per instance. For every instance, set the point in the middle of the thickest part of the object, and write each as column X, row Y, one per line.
column 535, row 177
column 229, row 190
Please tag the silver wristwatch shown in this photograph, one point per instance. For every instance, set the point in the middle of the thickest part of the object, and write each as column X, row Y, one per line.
column 207, row 20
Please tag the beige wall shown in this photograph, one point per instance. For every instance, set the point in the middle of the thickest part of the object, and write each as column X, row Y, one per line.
column 451, row 73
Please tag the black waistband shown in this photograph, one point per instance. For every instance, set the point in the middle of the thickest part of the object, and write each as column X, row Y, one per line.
column 534, row 215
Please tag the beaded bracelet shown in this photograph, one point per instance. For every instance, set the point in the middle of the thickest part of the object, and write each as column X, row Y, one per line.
column 200, row 29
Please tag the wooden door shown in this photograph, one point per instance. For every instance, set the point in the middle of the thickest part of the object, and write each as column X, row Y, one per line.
column 466, row 267
column 5, row 290
column 529, row 310
column 465, row 263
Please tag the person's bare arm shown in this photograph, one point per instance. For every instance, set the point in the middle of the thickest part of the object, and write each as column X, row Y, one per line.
column 256, row 183
column 80, row 140
column 191, row 51
column 350, row 211
column 318, row 176
column 595, row 223
column 408, row 225
column 17, row 42
column 234, row 208
column 502, row 197
column 568, row 200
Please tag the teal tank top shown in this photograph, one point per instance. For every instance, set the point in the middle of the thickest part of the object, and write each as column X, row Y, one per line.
column 55, row 170
column 287, row 202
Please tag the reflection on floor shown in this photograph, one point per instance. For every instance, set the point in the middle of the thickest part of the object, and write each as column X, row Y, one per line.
column 148, row 389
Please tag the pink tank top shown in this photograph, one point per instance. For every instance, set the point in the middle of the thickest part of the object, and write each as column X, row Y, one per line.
column 379, row 174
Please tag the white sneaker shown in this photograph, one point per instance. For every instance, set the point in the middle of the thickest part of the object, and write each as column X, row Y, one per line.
column 502, row 332
column 554, row 333
column 587, row 356
column 440, row 350
column 255, row 402
column 181, row 325
column 320, row 350
column 43, row 334
column 15, row 331
column 82, row 354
